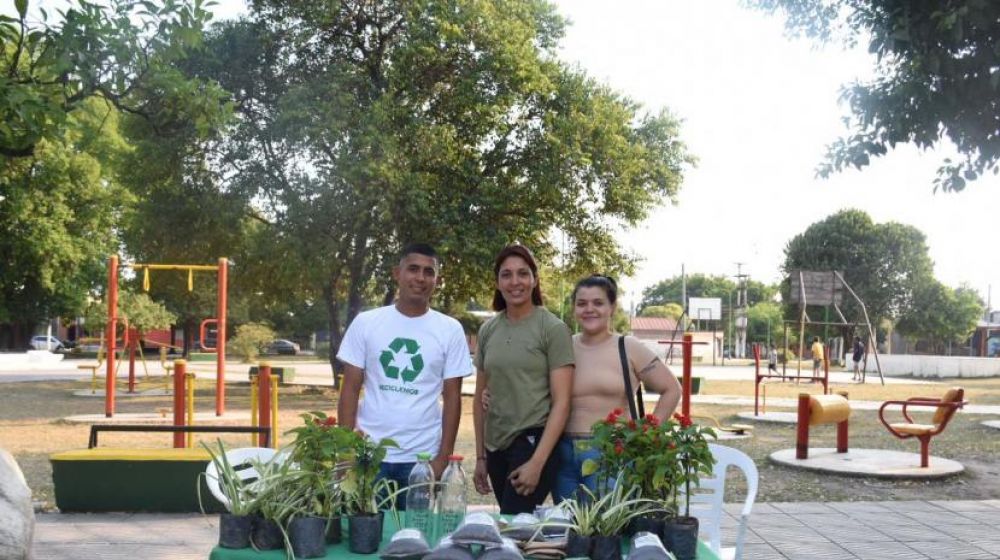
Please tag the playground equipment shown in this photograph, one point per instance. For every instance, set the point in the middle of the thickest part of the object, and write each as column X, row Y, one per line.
column 222, row 271
column 815, row 410
column 945, row 407
column 760, row 377
column 826, row 288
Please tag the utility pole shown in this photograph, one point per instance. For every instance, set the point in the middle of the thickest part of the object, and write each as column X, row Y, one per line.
column 741, row 311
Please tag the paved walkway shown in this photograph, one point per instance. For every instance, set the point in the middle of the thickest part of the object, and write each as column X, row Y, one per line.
column 912, row 530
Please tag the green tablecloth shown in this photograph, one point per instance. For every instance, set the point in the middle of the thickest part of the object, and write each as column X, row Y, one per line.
column 340, row 552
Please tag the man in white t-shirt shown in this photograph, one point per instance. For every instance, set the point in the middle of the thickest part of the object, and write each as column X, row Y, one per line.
column 407, row 356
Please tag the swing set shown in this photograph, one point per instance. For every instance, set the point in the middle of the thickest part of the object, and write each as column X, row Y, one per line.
column 131, row 338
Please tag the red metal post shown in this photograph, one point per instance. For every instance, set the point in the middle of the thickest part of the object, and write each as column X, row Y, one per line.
column 109, row 388
column 264, row 402
column 131, row 339
column 220, row 340
column 180, row 390
column 842, row 430
column 688, row 347
column 802, row 431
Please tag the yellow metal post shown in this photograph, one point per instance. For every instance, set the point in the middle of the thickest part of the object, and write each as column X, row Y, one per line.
column 274, row 411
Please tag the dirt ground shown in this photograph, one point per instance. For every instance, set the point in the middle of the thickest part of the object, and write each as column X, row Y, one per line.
column 32, row 427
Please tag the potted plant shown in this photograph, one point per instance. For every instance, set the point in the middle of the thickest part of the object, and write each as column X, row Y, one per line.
column 280, row 498
column 639, row 452
column 364, row 497
column 234, row 526
column 598, row 520
column 320, row 447
column 694, row 458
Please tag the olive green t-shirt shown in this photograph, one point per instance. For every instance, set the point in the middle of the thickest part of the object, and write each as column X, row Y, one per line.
column 517, row 357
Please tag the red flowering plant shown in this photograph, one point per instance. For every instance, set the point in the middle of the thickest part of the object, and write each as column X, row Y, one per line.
column 693, row 457
column 641, row 452
column 320, row 448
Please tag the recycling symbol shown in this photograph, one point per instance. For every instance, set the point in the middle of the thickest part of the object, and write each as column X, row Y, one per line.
column 402, row 359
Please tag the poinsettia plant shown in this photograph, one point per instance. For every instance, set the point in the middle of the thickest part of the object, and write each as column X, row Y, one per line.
column 640, row 451
column 319, row 448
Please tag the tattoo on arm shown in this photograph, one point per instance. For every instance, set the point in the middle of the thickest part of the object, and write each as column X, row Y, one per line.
column 648, row 368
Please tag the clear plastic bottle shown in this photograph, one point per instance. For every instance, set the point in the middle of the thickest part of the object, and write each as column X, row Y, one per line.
column 451, row 503
column 420, row 497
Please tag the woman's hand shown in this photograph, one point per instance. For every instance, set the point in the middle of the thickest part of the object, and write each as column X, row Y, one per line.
column 524, row 479
column 486, row 399
column 480, row 478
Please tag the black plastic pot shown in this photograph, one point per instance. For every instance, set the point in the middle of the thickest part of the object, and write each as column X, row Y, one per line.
column 607, row 548
column 334, row 531
column 648, row 523
column 308, row 537
column 266, row 535
column 578, row 546
column 234, row 530
column 364, row 533
column 680, row 536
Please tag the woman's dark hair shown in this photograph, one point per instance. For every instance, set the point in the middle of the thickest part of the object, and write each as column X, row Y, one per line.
column 515, row 251
column 606, row 283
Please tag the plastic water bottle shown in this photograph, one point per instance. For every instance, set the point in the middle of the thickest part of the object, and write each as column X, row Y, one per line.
column 420, row 497
column 451, row 503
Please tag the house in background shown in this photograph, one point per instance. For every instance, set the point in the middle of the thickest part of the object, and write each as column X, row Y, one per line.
column 653, row 330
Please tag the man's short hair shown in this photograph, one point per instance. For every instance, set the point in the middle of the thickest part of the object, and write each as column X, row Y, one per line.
column 420, row 249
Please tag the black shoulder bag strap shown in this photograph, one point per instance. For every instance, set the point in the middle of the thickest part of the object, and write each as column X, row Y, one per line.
column 637, row 400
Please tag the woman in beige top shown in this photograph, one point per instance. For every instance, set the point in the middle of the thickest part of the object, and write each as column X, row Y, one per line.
column 598, row 383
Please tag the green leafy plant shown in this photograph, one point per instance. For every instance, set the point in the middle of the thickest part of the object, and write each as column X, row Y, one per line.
column 609, row 513
column 319, row 448
column 694, row 457
column 363, row 494
column 242, row 495
column 249, row 340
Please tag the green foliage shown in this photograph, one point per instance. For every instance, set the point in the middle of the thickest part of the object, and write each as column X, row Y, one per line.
column 609, row 513
column 941, row 315
column 639, row 452
column 935, row 80
column 703, row 286
column 669, row 310
column 320, row 447
column 883, row 263
column 763, row 318
column 693, row 456
column 249, row 339
column 134, row 309
column 242, row 495
column 361, row 491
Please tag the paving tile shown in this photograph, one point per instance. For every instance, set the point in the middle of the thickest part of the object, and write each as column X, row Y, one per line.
column 984, row 517
column 887, row 518
column 966, row 505
column 803, row 507
column 968, row 532
column 952, row 550
column 883, row 551
column 777, row 519
column 774, row 535
column 761, row 552
column 852, row 533
column 814, row 551
column 859, row 507
column 765, row 507
column 907, row 533
column 911, row 506
column 991, row 545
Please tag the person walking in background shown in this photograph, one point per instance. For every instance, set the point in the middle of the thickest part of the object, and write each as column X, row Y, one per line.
column 525, row 359
column 598, row 382
column 817, row 355
column 859, row 352
column 407, row 356
column 772, row 359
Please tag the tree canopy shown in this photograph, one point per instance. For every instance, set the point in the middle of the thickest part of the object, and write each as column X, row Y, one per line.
column 703, row 286
column 937, row 76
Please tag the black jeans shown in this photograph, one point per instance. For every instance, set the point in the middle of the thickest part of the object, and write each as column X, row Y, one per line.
column 500, row 463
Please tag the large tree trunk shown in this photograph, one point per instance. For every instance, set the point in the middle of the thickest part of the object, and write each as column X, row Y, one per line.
column 336, row 332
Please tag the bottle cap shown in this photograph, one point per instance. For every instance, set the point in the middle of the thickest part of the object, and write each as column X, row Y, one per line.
column 458, row 458
column 424, row 456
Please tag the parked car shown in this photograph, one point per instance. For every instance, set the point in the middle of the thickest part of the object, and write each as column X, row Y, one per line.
column 282, row 346
column 44, row 342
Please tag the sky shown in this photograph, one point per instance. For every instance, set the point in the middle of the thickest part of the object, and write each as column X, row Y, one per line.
column 758, row 109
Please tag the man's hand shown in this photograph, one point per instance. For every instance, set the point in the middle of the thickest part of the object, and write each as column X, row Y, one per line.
column 438, row 465
column 524, row 479
column 480, row 478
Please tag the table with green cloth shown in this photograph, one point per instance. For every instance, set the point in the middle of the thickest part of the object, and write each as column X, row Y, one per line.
column 340, row 552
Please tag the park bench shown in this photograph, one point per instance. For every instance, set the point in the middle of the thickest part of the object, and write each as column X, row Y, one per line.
column 945, row 407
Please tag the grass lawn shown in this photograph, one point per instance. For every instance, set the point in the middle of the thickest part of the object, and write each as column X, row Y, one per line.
column 31, row 427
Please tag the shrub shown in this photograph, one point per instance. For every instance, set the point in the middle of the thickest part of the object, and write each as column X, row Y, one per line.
column 249, row 340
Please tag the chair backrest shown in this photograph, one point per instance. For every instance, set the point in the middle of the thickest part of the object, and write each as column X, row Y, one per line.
column 240, row 459
column 944, row 413
column 707, row 501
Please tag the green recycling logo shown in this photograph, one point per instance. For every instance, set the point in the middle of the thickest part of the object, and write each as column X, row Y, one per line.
column 402, row 359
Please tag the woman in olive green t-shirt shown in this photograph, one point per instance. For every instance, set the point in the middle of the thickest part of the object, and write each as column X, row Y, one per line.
column 525, row 359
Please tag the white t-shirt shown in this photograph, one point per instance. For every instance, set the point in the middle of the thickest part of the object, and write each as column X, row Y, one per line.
column 405, row 360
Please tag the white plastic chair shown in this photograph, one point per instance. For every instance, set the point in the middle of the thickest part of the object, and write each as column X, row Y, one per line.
column 240, row 459
column 706, row 503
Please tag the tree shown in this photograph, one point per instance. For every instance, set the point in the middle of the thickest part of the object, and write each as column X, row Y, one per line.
column 936, row 78
column 764, row 322
column 703, row 286
column 883, row 263
column 669, row 310
column 57, row 213
column 122, row 53
column 941, row 315
column 363, row 125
